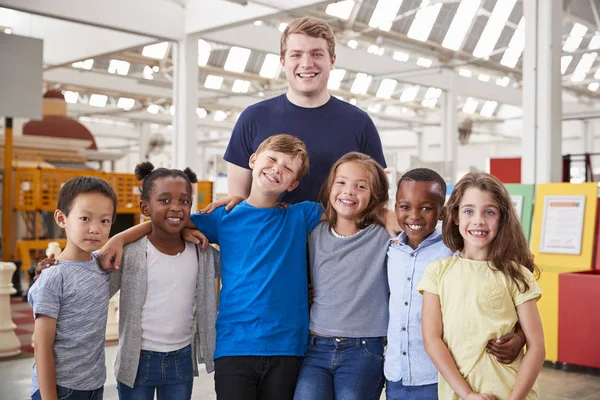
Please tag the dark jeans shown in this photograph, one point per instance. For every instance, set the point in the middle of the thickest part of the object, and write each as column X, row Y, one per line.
column 341, row 369
column 64, row 393
column 397, row 391
column 170, row 375
column 256, row 377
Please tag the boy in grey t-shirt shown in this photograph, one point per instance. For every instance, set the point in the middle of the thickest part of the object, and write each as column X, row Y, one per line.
column 70, row 299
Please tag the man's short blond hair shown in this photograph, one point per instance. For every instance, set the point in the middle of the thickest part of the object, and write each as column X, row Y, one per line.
column 290, row 145
column 310, row 26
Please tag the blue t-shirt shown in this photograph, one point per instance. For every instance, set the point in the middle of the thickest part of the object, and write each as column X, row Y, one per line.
column 328, row 131
column 263, row 308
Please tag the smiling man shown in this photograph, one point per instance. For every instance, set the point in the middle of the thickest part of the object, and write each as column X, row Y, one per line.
column 328, row 126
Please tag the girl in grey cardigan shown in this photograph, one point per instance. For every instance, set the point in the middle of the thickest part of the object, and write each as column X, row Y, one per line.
column 168, row 300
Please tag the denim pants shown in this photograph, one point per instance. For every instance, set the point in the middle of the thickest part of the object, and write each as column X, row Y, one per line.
column 64, row 393
column 170, row 375
column 397, row 391
column 341, row 369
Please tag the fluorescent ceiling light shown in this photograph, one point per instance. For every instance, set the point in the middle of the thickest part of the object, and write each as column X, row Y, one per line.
column 493, row 28
column 240, row 86
column 564, row 63
column 153, row 108
column 470, row 105
column 282, row 26
column 400, row 56
column 433, row 93
column 409, row 94
column 71, row 97
column 125, row 103
column 86, row 64
column 220, row 115
column 465, row 72
column 511, row 56
column 341, row 9
column 460, row 24
column 484, row 77
column 204, row 49
column 118, row 67
column 361, row 83
column 353, row 44
column 213, row 82
column 336, row 76
column 374, row 49
column 386, row 88
column 353, row 101
column 156, row 51
column 424, row 20
column 258, row 23
column 271, row 66
column 374, row 108
column 575, row 37
column 583, row 67
column 384, row 14
column 593, row 86
column 202, row 113
column 424, row 62
column 237, row 59
column 98, row 100
column 488, row 109
column 148, row 73
column 504, row 81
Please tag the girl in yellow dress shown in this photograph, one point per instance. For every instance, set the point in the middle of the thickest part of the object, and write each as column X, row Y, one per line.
column 481, row 293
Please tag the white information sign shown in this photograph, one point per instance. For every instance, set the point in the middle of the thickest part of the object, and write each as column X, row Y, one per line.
column 517, row 201
column 562, row 224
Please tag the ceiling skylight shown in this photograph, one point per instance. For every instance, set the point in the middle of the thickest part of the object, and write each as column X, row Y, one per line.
column 511, row 56
column 71, row 97
column 384, row 14
column 374, row 49
column 595, row 42
column 125, row 103
column 401, row 56
column 153, row 108
column 341, row 9
column 409, row 94
column 336, row 76
column 237, row 59
column 484, row 77
column 204, row 49
column 148, row 73
column 282, row 26
column 488, row 109
column 504, row 81
column 118, row 67
column 386, row 88
column 597, row 74
column 424, row 62
column 353, row 44
column 575, row 37
column 487, row 42
column 424, row 20
column 271, row 66
column 213, row 82
column 564, row 63
column 583, row 67
column 361, row 83
column 465, row 72
column 431, row 97
column 156, row 51
column 98, row 100
column 202, row 113
column 593, row 86
column 460, row 24
column 470, row 105
column 220, row 115
column 374, row 108
column 85, row 64
column 240, row 86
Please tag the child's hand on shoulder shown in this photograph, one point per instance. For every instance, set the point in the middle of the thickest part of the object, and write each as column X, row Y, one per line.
column 109, row 257
column 194, row 236
column 42, row 265
column 229, row 202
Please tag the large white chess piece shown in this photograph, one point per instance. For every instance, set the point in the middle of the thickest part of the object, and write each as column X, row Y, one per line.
column 9, row 342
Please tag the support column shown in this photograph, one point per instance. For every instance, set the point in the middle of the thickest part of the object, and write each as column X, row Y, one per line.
column 144, row 138
column 185, row 100
column 588, row 136
column 449, row 136
column 541, row 160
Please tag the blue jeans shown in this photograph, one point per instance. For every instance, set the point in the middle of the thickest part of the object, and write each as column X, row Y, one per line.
column 341, row 369
column 64, row 393
column 397, row 391
column 170, row 375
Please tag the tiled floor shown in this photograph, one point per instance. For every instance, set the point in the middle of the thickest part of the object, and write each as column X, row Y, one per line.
column 15, row 381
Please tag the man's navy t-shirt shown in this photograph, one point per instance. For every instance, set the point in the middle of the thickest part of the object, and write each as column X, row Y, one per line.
column 328, row 131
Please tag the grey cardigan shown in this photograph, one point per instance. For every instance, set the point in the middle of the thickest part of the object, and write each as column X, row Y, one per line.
column 132, row 279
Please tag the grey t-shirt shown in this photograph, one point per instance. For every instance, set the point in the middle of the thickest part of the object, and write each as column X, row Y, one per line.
column 349, row 277
column 76, row 295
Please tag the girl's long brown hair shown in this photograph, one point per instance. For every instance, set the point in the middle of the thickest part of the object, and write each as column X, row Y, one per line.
column 509, row 248
column 378, row 184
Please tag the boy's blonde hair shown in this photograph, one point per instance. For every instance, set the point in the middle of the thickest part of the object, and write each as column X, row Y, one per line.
column 290, row 145
column 310, row 26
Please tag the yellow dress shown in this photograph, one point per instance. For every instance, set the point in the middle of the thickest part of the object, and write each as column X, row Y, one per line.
column 478, row 304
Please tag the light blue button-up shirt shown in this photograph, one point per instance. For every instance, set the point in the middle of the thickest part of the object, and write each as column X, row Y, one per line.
column 405, row 357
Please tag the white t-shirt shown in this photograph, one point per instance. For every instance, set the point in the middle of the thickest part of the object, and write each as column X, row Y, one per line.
column 168, row 312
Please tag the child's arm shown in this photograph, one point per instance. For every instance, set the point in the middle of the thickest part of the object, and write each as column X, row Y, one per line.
column 530, row 368
column 391, row 223
column 507, row 347
column 45, row 331
column 438, row 351
column 110, row 255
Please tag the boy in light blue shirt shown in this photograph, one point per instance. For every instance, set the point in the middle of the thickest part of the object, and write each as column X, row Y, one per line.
column 410, row 373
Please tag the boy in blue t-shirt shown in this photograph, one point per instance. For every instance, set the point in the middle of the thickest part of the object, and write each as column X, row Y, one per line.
column 409, row 372
column 70, row 299
column 262, row 324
